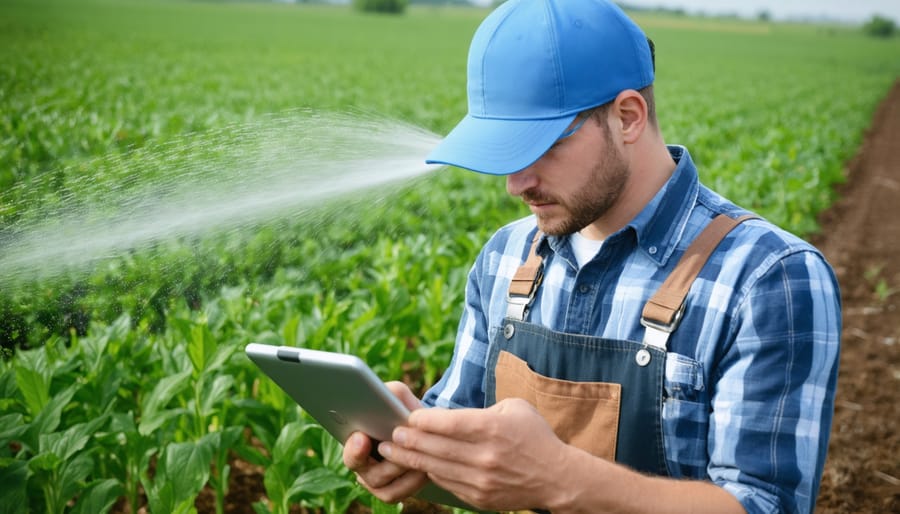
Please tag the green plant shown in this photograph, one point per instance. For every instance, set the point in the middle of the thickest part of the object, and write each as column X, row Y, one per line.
column 182, row 470
column 880, row 286
column 879, row 26
column 117, row 375
column 381, row 6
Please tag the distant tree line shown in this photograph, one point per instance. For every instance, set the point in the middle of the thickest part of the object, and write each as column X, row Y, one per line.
column 440, row 2
column 879, row 26
column 382, row 6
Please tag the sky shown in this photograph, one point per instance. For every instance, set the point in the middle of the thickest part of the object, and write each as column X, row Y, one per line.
column 851, row 11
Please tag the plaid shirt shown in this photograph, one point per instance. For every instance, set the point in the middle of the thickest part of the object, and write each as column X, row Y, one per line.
column 752, row 369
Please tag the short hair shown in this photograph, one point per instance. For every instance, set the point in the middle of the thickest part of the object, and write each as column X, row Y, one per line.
column 601, row 111
column 647, row 92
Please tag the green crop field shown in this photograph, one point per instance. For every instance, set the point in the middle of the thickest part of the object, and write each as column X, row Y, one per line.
column 123, row 378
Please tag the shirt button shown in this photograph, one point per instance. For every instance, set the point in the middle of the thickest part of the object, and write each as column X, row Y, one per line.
column 652, row 250
column 584, row 289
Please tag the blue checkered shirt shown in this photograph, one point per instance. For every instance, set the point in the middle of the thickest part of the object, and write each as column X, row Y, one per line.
column 751, row 371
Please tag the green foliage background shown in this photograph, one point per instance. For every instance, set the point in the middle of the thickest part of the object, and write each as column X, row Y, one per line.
column 138, row 359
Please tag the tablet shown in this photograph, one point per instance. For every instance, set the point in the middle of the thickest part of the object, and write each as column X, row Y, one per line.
column 342, row 394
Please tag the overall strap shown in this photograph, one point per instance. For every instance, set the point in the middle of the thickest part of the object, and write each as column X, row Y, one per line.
column 525, row 283
column 663, row 312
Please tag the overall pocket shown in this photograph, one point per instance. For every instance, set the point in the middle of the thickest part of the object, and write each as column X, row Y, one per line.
column 583, row 414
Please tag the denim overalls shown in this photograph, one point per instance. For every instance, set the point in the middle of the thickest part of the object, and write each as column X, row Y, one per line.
column 603, row 396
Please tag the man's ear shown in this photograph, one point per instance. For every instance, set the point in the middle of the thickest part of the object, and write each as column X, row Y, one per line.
column 630, row 112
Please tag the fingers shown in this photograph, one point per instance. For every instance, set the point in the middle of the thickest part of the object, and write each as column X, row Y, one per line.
column 422, row 443
column 388, row 481
column 460, row 440
column 358, row 448
column 357, row 457
column 356, row 451
column 429, row 454
column 406, row 396
column 403, row 486
column 470, row 424
column 460, row 424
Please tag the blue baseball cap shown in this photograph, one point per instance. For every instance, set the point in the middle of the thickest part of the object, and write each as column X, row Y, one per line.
column 533, row 66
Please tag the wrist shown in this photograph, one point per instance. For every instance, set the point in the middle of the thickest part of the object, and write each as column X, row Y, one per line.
column 588, row 484
column 569, row 480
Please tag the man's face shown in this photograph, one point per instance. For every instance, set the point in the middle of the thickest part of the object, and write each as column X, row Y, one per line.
column 575, row 183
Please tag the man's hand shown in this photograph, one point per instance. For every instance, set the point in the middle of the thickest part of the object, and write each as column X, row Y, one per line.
column 388, row 481
column 499, row 458
column 506, row 457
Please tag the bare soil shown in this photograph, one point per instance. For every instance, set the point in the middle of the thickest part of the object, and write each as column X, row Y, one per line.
column 861, row 238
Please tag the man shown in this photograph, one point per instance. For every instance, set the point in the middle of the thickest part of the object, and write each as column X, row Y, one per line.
column 639, row 344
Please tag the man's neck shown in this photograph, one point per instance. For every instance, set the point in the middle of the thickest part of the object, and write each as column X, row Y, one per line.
column 650, row 166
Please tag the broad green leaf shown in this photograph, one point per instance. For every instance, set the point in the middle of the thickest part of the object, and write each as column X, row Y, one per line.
column 49, row 418
column 332, row 452
column 186, row 506
column 11, row 426
column 160, row 495
column 93, row 354
column 72, row 440
column 280, row 472
column 289, row 332
column 181, row 471
column 152, row 412
column 215, row 393
column 35, row 387
column 8, row 387
column 201, row 346
column 186, row 465
column 288, row 443
column 277, row 480
column 13, row 494
column 317, row 482
column 47, row 461
column 99, row 496
column 261, row 508
column 71, row 475
column 223, row 439
column 219, row 357
column 151, row 422
column 272, row 395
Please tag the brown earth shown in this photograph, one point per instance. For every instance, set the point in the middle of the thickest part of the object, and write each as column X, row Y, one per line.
column 861, row 238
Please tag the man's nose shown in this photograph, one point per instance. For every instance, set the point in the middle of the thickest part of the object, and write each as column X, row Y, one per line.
column 521, row 181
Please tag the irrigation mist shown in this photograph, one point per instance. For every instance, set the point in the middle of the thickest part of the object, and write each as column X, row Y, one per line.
column 234, row 178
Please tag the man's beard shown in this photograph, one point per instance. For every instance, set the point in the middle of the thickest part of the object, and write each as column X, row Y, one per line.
column 602, row 191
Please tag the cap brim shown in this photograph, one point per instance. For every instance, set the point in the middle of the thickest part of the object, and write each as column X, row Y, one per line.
column 498, row 147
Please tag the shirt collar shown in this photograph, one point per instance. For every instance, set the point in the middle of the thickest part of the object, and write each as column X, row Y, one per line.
column 659, row 226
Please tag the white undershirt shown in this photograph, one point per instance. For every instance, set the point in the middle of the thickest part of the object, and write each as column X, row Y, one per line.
column 585, row 249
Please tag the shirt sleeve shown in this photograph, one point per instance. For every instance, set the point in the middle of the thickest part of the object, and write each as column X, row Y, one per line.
column 773, row 400
column 462, row 384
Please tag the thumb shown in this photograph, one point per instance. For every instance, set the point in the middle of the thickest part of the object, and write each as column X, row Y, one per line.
column 405, row 395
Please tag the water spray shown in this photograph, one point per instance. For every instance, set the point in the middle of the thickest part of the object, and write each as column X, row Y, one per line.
column 240, row 176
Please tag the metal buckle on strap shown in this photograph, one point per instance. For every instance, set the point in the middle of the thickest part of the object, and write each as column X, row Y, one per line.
column 656, row 333
column 517, row 306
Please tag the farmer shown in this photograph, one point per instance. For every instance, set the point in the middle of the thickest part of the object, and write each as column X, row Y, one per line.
column 639, row 344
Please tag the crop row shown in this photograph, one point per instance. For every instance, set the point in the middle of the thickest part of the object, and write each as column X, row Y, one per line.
column 124, row 383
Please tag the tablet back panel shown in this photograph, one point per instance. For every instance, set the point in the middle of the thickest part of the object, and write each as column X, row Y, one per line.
column 339, row 391
column 343, row 395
